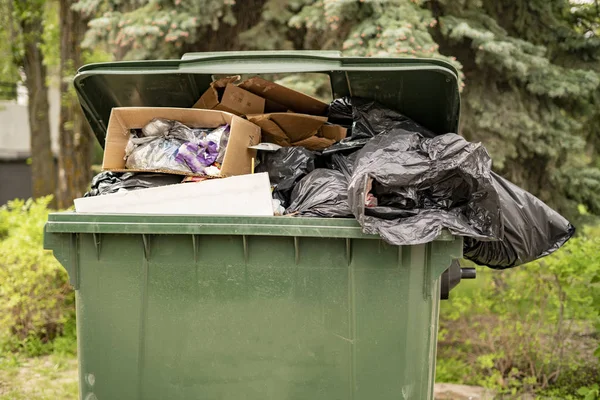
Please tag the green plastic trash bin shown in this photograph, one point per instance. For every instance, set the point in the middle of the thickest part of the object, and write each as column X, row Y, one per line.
column 277, row 308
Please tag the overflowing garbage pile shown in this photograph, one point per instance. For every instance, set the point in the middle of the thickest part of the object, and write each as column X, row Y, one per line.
column 351, row 159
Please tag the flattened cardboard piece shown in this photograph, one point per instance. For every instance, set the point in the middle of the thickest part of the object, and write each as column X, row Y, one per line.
column 278, row 96
column 223, row 82
column 224, row 95
column 315, row 143
column 273, row 107
column 286, row 128
column 245, row 195
column 291, row 129
column 237, row 160
column 272, row 133
column 298, row 126
column 333, row 132
column 240, row 102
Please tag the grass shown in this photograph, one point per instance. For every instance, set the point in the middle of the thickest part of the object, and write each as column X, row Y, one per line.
column 40, row 378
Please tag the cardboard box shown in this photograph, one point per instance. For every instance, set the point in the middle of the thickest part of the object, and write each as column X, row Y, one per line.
column 290, row 129
column 225, row 96
column 245, row 195
column 238, row 158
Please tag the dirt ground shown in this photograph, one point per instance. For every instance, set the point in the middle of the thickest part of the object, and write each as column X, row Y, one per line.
column 55, row 377
column 42, row 378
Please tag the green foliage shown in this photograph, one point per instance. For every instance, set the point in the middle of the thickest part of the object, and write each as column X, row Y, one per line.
column 271, row 32
column 451, row 369
column 36, row 300
column 590, row 393
column 50, row 44
column 24, row 22
column 527, row 328
column 152, row 28
column 9, row 72
column 399, row 28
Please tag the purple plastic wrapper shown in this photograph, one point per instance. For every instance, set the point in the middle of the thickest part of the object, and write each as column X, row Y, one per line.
column 198, row 156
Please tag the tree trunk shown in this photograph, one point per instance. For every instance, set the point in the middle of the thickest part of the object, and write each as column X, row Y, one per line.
column 74, row 133
column 43, row 170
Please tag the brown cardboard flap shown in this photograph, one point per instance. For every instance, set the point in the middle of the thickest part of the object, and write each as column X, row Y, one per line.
column 241, row 102
column 238, row 158
column 273, row 107
column 295, row 127
column 334, row 132
column 290, row 129
column 298, row 126
column 224, row 95
column 289, row 98
column 223, row 82
column 315, row 143
column 210, row 98
column 271, row 132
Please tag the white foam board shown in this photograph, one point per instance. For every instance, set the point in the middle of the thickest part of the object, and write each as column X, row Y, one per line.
column 243, row 195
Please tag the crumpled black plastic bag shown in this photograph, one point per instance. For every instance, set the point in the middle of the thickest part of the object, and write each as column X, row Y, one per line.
column 370, row 119
column 343, row 163
column 111, row 182
column 340, row 112
column 322, row 193
column 531, row 230
column 423, row 186
column 286, row 167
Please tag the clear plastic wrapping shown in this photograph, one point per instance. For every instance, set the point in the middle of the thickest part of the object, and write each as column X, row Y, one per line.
column 170, row 145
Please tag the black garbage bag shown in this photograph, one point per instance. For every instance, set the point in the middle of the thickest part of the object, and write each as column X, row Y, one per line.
column 340, row 112
column 407, row 188
column 111, row 182
column 286, row 167
column 531, row 230
column 370, row 119
column 343, row 163
column 322, row 193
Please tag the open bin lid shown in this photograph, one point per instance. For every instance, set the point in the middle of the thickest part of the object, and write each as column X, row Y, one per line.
column 425, row 90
